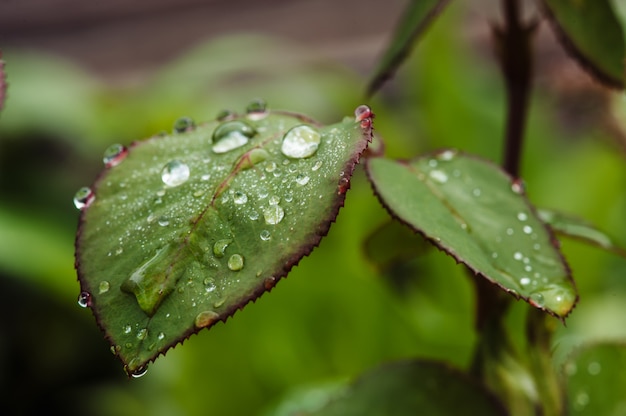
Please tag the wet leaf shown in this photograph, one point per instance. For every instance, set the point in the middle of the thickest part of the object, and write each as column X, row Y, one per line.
column 416, row 19
column 579, row 228
column 592, row 34
column 414, row 388
column 476, row 213
column 181, row 231
column 595, row 377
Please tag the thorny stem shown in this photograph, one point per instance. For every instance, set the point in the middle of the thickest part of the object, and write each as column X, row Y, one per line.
column 513, row 45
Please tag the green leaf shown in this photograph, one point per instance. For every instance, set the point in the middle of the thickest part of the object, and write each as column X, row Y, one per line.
column 414, row 388
column 416, row 19
column 592, row 34
column 595, row 378
column 579, row 228
column 476, row 213
column 181, row 231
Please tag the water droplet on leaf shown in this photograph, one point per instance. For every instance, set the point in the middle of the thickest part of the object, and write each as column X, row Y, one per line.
column 302, row 179
column 174, row 173
column 362, row 112
column 206, row 318
column 219, row 248
column 301, row 142
column 235, row 262
column 257, row 109
column 317, row 165
column 438, row 175
column 265, row 235
column 114, row 155
column 103, row 287
column 231, row 135
column 240, row 198
column 273, row 214
column 225, row 115
column 84, row 197
column 84, row 299
column 274, row 200
column 183, row 124
column 537, row 299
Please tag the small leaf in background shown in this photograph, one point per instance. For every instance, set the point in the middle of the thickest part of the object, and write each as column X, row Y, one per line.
column 579, row 228
column 414, row 388
column 592, row 34
column 595, row 379
column 180, row 231
column 476, row 213
column 416, row 19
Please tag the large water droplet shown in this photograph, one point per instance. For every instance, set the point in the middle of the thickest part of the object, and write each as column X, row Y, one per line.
column 257, row 109
column 84, row 197
column 174, row 173
column 183, row 124
column 140, row 372
column 114, row 155
column 235, row 262
column 219, row 248
column 231, row 135
column 206, row 318
column 273, row 214
column 84, row 299
column 300, row 142
column 103, row 287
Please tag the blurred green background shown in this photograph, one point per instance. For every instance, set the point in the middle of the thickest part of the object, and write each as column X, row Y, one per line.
column 337, row 314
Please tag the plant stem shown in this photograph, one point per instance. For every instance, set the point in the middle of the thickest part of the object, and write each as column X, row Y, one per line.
column 513, row 46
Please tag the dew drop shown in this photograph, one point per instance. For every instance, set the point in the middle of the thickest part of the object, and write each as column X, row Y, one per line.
column 114, row 155
column 219, row 248
column 302, row 179
column 142, row 333
column 265, row 235
column 432, row 163
column 476, row 192
column 509, row 231
column 174, row 173
column 253, row 215
column 447, row 154
column 582, row 400
column 240, row 198
column 103, row 287
column 83, row 198
column 518, row 256
column 527, row 229
column 127, row 329
column 524, row 281
column 205, row 177
column 225, row 115
column 517, row 186
column 140, row 372
column 537, row 246
column 288, row 196
column 537, row 299
column 274, row 200
column 160, row 336
column 235, row 262
column 317, row 165
column 300, row 142
column 438, row 176
column 231, row 135
column 206, row 318
column 270, row 167
column 183, row 124
column 273, row 214
column 164, row 222
column 257, row 109
column 84, row 299
column 362, row 112
column 522, row 216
